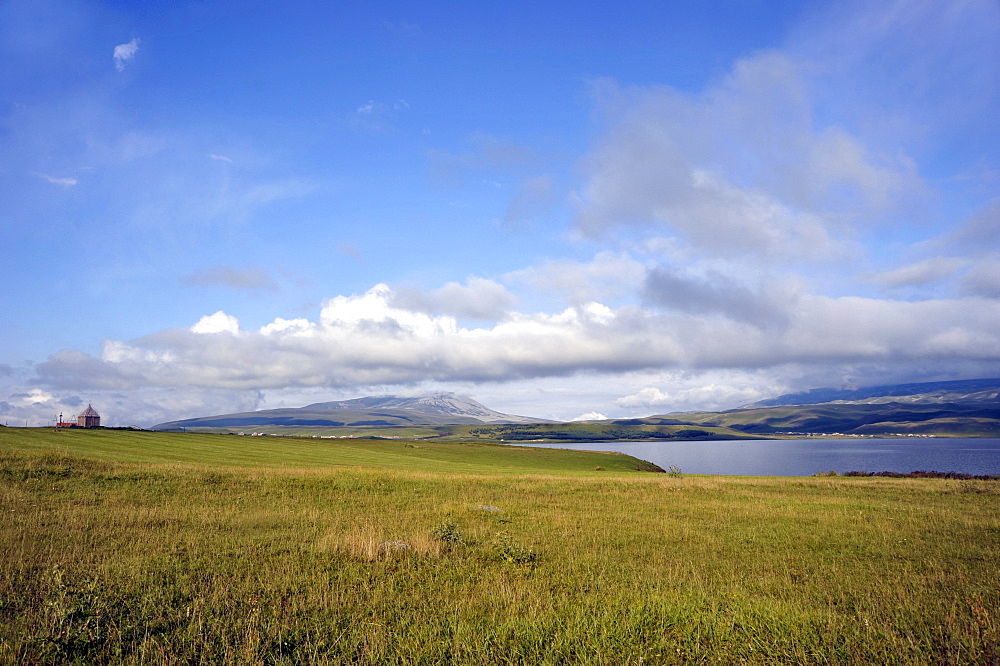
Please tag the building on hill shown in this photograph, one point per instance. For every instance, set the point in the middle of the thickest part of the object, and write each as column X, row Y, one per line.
column 88, row 418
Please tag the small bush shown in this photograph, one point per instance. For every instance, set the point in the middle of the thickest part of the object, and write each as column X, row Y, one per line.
column 511, row 551
column 675, row 472
column 448, row 532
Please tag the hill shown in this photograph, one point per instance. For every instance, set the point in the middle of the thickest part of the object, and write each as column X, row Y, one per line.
column 378, row 411
column 967, row 408
column 958, row 391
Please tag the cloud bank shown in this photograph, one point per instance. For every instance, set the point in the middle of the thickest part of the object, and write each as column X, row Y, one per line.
column 367, row 339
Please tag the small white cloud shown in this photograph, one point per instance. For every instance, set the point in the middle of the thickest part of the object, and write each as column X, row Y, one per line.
column 369, row 107
column 63, row 182
column 591, row 416
column 220, row 158
column 220, row 322
column 125, row 52
column 35, row 397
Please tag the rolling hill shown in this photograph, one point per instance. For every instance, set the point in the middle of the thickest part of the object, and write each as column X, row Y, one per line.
column 965, row 408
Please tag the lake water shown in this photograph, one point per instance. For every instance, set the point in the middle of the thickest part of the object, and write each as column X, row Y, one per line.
column 804, row 457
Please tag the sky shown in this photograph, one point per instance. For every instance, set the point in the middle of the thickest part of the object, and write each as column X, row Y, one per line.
column 561, row 209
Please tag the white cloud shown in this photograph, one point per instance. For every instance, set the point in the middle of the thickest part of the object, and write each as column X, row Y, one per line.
column 741, row 168
column 590, row 416
column 125, row 52
column 478, row 298
column 705, row 391
column 219, row 322
column 63, row 182
column 366, row 339
column 220, row 158
column 35, row 396
column 607, row 277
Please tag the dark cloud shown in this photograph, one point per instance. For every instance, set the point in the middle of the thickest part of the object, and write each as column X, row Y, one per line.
column 713, row 294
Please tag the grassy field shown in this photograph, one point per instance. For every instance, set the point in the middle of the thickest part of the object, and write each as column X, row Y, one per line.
column 119, row 547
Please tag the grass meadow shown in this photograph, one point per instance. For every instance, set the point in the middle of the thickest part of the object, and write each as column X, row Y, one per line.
column 155, row 548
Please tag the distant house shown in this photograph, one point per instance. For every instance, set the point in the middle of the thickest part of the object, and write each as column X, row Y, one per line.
column 88, row 418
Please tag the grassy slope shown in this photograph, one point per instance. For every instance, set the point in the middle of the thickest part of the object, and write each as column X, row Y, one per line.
column 242, row 558
column 223, row 450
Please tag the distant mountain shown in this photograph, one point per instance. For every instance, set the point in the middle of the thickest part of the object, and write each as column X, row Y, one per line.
column 962, row 390
column 390, row 410
column 964, row 408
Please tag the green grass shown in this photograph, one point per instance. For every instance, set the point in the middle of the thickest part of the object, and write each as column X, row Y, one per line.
column 291, row 452
column 121, row 547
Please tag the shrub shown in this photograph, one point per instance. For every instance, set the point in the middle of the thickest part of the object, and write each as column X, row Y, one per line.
column 448, row 532
column 675, row 471
column 511, row 551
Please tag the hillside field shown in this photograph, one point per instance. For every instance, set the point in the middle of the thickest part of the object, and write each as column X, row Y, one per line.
column 166, row 548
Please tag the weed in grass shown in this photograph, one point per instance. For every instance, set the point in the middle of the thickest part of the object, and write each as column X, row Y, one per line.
column 511, row 551
column 675, row 472
column 448, row 533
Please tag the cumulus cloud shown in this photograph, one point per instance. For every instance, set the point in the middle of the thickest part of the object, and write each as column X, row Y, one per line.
column 369, row 339
column 125, row 52
column 250, row 279
column 219, row 322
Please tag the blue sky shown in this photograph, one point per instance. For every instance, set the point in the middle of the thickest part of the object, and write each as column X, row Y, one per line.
column 560, row 209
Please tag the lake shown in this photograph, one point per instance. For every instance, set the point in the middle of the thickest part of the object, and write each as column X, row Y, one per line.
column 805, row 457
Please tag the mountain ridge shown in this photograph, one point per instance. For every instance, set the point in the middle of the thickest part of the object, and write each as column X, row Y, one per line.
column 959, row 390
column 388, row 410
